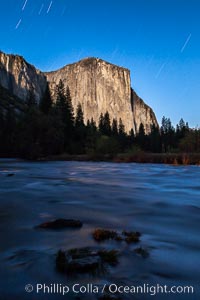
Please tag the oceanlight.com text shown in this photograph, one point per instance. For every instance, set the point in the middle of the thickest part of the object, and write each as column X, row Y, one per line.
column 152, row 290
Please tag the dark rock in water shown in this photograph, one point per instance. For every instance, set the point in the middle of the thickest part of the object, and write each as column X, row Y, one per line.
column 10, row 174
column 89, row 264
column 109, row 256
column 61, row 223
column 61, row 261
column 85, row 260
column 131, row 236
column 77, row 253
column 141, row 251
column 78, row 261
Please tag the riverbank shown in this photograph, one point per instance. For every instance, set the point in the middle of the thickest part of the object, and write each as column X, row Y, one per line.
column 141, row 157
column 161, row 158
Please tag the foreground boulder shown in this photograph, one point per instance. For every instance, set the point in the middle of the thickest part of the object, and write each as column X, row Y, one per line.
column 131, row 236
column 85, row 260
column 142, row 252
column 61, row 224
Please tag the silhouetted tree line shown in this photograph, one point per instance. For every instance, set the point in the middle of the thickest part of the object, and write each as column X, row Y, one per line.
column 51, row 128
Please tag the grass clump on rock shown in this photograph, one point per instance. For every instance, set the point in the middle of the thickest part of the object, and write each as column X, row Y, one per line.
column 101, row 235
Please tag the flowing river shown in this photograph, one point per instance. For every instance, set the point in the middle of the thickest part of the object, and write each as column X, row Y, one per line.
column 160, row 201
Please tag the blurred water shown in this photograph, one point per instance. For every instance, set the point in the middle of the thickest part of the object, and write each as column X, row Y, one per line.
column 160, row 201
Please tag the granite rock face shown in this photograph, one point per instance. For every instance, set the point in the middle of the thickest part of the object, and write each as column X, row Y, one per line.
column 19, row 77
column 142, row 113
column 98, row 85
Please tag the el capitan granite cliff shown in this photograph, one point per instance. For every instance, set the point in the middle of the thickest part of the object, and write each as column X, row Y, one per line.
column 98, row 85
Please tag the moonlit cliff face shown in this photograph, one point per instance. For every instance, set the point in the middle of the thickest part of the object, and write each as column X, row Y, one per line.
column 19, row 77
column 142, row 113
column 98, row 85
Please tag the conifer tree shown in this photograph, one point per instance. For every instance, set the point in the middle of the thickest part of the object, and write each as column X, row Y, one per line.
column 93, row 125
column 101, row 123
column 91, row 136
column 107, row 126
column 46, row 101
column 104, row 124
column 141, row 137
column 70, row 107
column 121, row 128
column 65, row 109
column 80, row 131
column 122, row 137
column 79, row 120
column 61, row 102
column 167, row 132
column 1, row 119
column 9, row 132
column 154, row 144
column 31, row 101
column 114, row 127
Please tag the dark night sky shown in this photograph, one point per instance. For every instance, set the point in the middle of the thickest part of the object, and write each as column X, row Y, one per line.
column 158, row 40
